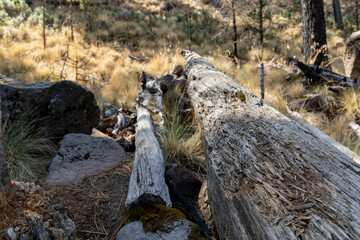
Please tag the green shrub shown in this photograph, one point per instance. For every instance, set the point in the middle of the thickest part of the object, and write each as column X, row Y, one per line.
column 28, row 151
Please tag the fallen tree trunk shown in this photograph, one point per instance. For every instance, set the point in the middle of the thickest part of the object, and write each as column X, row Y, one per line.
column 147, row 181
column 269, row 177
column 321, row 74
column 355, row 127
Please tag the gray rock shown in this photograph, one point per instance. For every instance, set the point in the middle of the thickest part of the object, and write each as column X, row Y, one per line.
column 82, row 155
column 110, row 110
column 352, row 56
column 62, row 107
column 135, row 231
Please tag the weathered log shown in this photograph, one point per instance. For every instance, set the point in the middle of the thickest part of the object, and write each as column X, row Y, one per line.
column 355, row 127
column 322, row 75
column 147, row 181
column 297, row 117
column 269, row 177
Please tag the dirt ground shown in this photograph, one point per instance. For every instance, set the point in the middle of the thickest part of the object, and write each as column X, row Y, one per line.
column 96, row 204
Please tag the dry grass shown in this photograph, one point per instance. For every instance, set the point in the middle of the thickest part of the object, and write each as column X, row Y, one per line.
column 296, row 90
column 350, row 101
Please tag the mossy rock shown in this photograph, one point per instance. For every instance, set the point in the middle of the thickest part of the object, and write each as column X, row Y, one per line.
column 155, row 217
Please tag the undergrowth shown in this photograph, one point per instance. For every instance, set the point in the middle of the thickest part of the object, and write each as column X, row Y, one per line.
column 181, row 137
column 28, row 151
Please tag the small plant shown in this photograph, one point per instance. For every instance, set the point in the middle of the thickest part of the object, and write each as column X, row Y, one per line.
column 28, row 151
column 181, row 139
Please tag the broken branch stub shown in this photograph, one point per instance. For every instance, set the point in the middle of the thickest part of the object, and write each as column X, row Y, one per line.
column 147, row 181
column 269, row 177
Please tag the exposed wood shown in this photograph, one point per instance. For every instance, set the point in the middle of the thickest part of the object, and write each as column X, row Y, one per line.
column 297, row 117
column 322, row 75
column 355, row 127
column 268, row 176
column 138, row 59
column 147, row 181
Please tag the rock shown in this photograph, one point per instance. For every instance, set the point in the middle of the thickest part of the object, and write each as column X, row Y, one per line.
column 352, row 56
column 167, row 78
column 82, row 155
column 180, row 83
column 185, row 180
column 110, row 110
column 61, row 107
column 178, row 70
column 135, row 231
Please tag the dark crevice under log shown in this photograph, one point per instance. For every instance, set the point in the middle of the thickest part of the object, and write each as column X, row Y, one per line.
column 268, row 176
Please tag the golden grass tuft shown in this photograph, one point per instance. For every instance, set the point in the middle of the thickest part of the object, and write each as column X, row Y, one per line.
column 350, row 101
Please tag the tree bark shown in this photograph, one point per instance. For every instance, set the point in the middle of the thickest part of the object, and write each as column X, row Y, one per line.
column 313, row 26
column 261, row 31
column 235, row 36
column 269, row 177
column 147, row 181
column 44, row 23
column 357, row 14
column 337, row 14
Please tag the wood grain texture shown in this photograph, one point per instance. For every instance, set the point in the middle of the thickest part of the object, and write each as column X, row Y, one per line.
column 268, row 176
column 147, row 181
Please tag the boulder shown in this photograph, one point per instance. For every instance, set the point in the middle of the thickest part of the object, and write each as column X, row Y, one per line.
column 61, row 107
column 110, row 110
column 352, row 56
column 82, row 155
column 185, row 181
column 135, row 231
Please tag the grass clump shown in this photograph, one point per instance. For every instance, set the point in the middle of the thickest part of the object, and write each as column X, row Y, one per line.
column 28, row 151
column 181, row 137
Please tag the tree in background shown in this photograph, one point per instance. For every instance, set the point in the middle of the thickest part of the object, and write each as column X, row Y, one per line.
column 313, row 27
column 337, row 14
column 235, row 35
column 357, row 14
column 260, row 13
column 44, row 22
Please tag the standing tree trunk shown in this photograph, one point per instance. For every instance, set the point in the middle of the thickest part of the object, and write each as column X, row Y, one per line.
column 71, row 21
column 44, row 23
column 235, row 36
column 261, row 30
column 337, row 14
column 313, row 26
column 357, row 14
